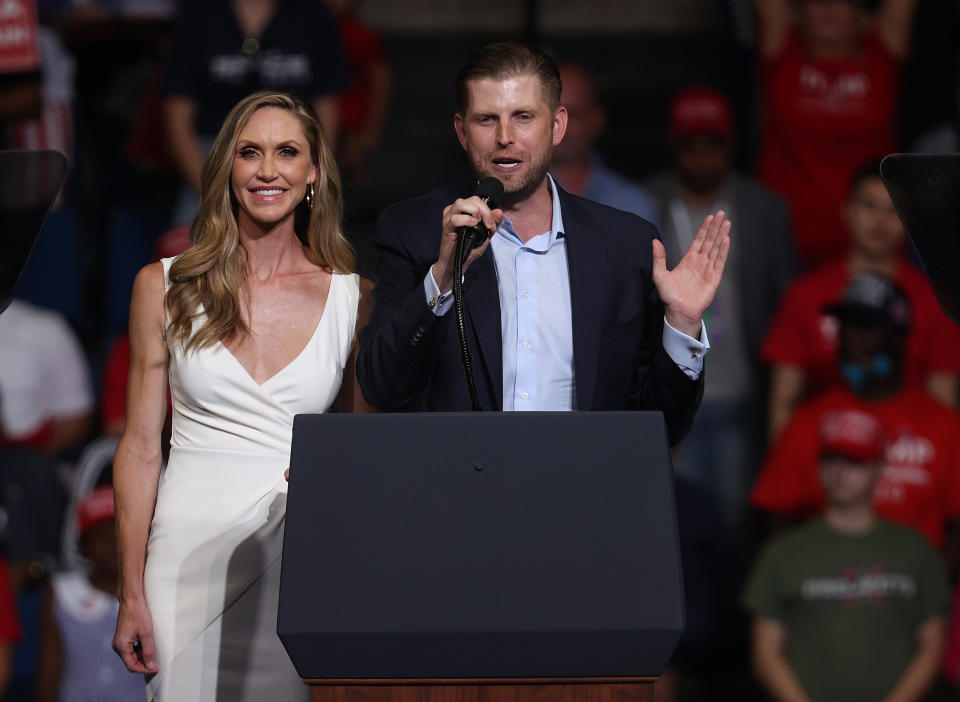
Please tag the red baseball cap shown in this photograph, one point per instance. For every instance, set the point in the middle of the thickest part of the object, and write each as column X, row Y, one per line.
column 95, row 508
column 854, row 434
column 700, row 110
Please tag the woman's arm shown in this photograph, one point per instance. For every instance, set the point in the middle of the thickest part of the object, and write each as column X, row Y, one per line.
column 136, row 467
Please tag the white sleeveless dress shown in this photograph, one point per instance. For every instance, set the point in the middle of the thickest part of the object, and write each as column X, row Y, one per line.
column 213, row 558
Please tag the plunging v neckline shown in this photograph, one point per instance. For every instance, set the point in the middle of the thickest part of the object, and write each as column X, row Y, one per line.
column 323, row 314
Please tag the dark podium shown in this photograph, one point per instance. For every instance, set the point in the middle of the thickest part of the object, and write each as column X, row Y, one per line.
column 480, row 556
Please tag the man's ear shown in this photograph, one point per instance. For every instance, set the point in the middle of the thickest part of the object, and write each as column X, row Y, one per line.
column 458, row 127
column 559, row 124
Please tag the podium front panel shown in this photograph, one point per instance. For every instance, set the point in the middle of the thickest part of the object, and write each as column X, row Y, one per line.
column 480, row 545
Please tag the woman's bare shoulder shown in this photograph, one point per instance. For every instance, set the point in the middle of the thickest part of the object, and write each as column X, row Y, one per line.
column 149, row 289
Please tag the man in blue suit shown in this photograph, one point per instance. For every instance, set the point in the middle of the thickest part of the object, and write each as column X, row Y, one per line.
column 568, row 305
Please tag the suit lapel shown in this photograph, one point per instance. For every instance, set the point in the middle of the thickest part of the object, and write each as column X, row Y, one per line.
column 481, row 301
column 585, row 263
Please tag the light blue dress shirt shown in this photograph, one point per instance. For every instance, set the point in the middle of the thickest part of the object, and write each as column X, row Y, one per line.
column 536, row 320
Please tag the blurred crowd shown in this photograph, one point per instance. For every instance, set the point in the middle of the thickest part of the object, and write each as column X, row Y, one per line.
column 818, row 494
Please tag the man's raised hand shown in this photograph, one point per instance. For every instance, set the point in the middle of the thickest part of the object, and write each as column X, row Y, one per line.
column 689, row 288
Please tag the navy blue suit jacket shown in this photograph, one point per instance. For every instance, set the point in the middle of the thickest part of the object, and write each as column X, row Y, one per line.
column 410, row 358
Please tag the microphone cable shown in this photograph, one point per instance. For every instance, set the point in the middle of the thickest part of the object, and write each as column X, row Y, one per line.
column 463, row 250
column 490, row 191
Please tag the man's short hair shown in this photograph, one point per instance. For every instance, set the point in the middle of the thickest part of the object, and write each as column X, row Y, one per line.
column 509, row 59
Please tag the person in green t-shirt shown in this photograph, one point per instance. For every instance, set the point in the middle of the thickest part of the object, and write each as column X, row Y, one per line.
column 848, row 607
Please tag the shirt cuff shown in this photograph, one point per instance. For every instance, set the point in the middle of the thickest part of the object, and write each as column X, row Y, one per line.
column 439, row 303
column 686, row 351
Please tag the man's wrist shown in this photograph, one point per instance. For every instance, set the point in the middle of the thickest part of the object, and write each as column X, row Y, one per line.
column 437, row 300
column 443, row 278
column 682, row 323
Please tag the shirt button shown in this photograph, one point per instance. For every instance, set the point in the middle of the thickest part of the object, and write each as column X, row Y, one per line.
column 525, row 344
column 526, row 294
column 523, row 395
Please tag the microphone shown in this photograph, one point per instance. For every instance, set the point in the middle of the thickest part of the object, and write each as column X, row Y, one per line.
column 490, row 190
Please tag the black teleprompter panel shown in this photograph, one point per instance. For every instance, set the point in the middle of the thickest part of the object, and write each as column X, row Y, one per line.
column 29, row 183
column 925, row 189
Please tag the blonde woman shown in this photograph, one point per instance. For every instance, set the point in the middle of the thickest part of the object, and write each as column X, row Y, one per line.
column 251, row 325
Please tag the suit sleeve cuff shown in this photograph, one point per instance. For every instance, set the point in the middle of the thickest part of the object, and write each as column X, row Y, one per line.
column 684, row 350
column 439, row 303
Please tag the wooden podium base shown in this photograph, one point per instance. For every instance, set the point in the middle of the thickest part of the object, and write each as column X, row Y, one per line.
column 484, row 690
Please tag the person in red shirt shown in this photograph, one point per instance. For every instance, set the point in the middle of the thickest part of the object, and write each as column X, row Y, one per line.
column 10, row 632
column 801, row 345
column 830, row 86
column 363, row 107
column 920, row 486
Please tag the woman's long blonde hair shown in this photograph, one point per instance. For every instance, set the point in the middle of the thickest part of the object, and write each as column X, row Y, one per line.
column 209, row 278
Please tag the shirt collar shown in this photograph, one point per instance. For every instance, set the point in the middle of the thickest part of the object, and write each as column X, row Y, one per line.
column 545, row 241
